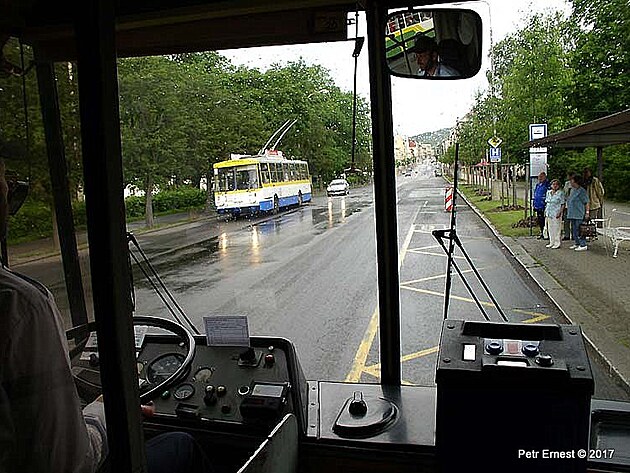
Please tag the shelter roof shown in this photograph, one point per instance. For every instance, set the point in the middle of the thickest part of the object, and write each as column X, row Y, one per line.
column 607, row 131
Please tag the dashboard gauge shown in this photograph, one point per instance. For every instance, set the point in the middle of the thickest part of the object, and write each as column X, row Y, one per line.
column 203, row 375
column 184, row 392
column 163, row 367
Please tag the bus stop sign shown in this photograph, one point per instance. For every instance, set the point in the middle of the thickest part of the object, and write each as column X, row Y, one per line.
column 495, row 155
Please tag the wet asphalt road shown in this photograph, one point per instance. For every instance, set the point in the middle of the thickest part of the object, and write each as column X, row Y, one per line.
column 309, row 275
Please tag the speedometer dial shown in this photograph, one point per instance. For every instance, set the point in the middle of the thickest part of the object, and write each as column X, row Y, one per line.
column 184, row 392
column 163, row 367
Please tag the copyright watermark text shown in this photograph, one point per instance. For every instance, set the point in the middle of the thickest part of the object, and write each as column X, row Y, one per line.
column 548, row 454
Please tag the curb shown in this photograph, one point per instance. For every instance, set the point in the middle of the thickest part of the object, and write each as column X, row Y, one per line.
column 602, row 357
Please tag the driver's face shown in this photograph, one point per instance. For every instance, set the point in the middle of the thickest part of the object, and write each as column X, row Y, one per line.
column 425, row 59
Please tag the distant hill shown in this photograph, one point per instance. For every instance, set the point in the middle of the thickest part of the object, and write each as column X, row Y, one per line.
column 432, row 137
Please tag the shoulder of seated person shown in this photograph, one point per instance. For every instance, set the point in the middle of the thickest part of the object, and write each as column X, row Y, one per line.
column 23, row 290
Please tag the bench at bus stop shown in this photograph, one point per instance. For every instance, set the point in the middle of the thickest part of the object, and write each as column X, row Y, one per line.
column 615, row 234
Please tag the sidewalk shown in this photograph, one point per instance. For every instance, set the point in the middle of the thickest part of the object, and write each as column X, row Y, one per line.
column 23, row 253
column 590, row 288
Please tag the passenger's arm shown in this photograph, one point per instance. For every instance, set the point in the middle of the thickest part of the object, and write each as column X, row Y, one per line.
column 94, row 416
column 50, row 430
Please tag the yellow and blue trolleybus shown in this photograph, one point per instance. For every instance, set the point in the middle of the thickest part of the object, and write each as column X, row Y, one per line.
column 266, row 182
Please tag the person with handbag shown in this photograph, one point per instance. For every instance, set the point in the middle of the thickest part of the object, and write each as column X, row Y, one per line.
column 577, row 211
column 554, row 207
column 595, row 191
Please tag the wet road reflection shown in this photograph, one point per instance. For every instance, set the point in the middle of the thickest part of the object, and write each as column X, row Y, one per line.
column 249, row 242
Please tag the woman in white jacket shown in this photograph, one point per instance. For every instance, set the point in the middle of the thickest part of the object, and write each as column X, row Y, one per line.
column 554, row 206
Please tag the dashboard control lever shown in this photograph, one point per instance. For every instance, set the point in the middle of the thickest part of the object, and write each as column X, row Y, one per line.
column 248, row 355
column 544, row 360
column 186, row 411
column 357, row 406
column 209, row 398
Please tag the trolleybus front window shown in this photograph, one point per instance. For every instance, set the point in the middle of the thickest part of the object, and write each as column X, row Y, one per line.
column 246, row 177
column 226, row 180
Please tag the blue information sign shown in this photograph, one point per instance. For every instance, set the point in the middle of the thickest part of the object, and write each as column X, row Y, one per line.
column 495, row 155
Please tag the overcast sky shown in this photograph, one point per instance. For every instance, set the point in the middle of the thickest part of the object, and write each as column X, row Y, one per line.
column 419, row 105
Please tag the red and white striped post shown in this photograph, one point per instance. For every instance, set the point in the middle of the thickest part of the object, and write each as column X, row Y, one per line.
column 448, row 199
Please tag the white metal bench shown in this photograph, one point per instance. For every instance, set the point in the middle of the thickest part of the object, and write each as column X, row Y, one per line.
column 616, row 235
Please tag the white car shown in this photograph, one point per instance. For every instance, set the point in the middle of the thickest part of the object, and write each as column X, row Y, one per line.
column 338, row 187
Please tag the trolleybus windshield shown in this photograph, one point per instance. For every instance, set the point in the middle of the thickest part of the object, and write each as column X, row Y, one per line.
column 297, row 262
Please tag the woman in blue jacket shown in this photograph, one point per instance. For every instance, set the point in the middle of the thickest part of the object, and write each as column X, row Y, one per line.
column 577, row 211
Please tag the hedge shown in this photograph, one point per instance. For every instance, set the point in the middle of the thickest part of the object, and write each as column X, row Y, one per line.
column 34, row 220
column 183, row 198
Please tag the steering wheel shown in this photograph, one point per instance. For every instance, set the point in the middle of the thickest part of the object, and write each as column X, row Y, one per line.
column 143, row 320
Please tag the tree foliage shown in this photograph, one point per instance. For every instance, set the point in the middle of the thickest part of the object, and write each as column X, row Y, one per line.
column 600, row 57
column 182, row 113
column 529, row 85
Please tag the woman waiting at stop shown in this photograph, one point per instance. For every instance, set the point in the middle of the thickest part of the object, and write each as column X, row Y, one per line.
column 554, row 206
column 577, row 211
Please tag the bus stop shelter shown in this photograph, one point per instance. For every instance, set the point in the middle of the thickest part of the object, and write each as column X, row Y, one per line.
column 607, row 131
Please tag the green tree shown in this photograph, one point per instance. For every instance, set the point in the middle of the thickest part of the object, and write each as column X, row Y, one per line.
column 531, row 81
column 600, row 57
column 152, row 116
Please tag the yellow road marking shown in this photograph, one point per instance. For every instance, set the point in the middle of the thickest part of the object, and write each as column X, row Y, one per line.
column 537, row 316
column 375, row 370
column 358, row 365
column 424, row 248
column 412, row 356
column 363, row 351
column 419, row 354
column 441, row 294
column 533, row 320
column 432, row 278
column 443, row 255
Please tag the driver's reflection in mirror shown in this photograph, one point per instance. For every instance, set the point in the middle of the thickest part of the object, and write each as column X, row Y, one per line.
column 428, row 59
column 42, row 426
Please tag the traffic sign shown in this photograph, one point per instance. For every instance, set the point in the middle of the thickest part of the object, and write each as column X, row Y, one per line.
column 495, row 155
column 495, row 141
column 537, row 156
column 537, row 131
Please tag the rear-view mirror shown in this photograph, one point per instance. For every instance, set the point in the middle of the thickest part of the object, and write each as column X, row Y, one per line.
column 433, row 43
